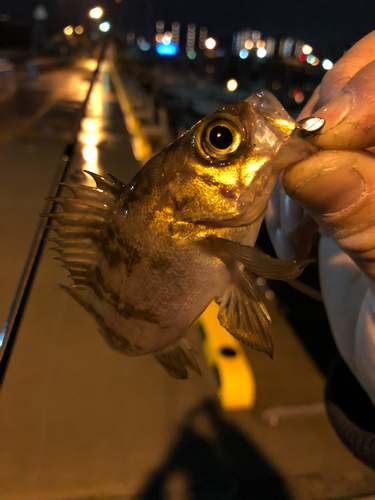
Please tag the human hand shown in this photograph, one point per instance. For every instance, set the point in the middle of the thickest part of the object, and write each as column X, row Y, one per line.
column 334, row 190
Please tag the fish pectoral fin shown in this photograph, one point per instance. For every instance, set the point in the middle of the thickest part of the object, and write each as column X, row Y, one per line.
column 177, row 358
column 257, row 261
column 242, row 311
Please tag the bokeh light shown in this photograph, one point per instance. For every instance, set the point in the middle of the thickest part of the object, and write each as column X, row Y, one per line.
column 210, row 43
column 261, row 52
column 104, row 27
column 96, row 13
column 68, row 30
column 307, row 49
column 244, row 53
column 327, row 64
column 232, row 85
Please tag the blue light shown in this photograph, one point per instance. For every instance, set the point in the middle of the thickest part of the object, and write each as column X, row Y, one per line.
column 166, row 50
column 145, row 46
column 244, row 53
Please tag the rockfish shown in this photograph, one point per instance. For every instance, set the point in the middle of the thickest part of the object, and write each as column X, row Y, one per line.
column 146, row 259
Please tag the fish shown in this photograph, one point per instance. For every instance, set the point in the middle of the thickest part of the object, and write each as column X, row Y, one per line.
column 147, row 258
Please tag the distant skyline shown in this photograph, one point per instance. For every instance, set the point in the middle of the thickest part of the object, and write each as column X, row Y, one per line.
column 330, row 26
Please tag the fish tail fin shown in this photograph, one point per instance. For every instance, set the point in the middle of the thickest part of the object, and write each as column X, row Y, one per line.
column 242, row 311
column 177, row 358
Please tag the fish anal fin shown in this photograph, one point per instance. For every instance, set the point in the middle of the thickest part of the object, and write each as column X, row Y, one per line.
column 257, row 261
column 177, row 358
column 243, row 312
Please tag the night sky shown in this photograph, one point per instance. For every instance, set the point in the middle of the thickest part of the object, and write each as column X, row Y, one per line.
column 330, row 26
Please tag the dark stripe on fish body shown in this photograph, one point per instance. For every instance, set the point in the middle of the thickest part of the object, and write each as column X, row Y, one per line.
column 113, row 255
column 128, row 311
column 105, row 289
column 161, row 264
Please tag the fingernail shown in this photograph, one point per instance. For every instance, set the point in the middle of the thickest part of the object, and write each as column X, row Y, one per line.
column 330, row 191
column 336, row 110
column 291, row 214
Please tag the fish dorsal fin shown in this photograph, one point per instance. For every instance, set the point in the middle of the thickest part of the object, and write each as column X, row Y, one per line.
column 243, row 313
column 257, row 261
column 177, row 359
column 82, row 225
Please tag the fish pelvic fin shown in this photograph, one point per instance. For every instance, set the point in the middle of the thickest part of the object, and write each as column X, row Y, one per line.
column 177, row 358
column 243, row 312
column 82, row 225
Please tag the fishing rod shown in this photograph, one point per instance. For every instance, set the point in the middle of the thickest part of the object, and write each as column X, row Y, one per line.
column 13, row 321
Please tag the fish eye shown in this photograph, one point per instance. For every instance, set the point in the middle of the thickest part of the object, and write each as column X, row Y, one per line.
column 221, row 137
column 218, row 139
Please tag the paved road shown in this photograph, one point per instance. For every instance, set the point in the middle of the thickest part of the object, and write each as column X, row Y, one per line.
column 79, row 421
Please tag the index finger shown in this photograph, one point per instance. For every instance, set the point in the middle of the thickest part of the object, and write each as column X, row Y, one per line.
column 350, row 116
column 361, row 54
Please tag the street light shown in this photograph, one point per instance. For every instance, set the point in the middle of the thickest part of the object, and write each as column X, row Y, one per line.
column 96, row 13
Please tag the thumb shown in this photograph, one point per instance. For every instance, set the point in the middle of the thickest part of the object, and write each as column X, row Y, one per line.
column 338, row 190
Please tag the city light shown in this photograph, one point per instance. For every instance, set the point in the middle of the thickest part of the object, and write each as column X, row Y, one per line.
column 261, row 52
column 307, row 49
column 270, row 46
column 104, row 27
column 249, row 44
column 210, row 43
column 244, row 53
column 176, row 33
column 68, row 30
column 327, row 64
column 190, row 39
column 261, row 44
column 313, row 60
column 299, row 98
column 159, row 26
column 288, row 47
column 203, row 32
column 232, row 85
column 96, row 13
column 166, row 50
column 145, row 46
column 192, row 54
column 167, row 38
column 79, row 30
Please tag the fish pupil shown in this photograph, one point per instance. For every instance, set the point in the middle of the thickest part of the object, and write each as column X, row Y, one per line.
column 221, row 137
